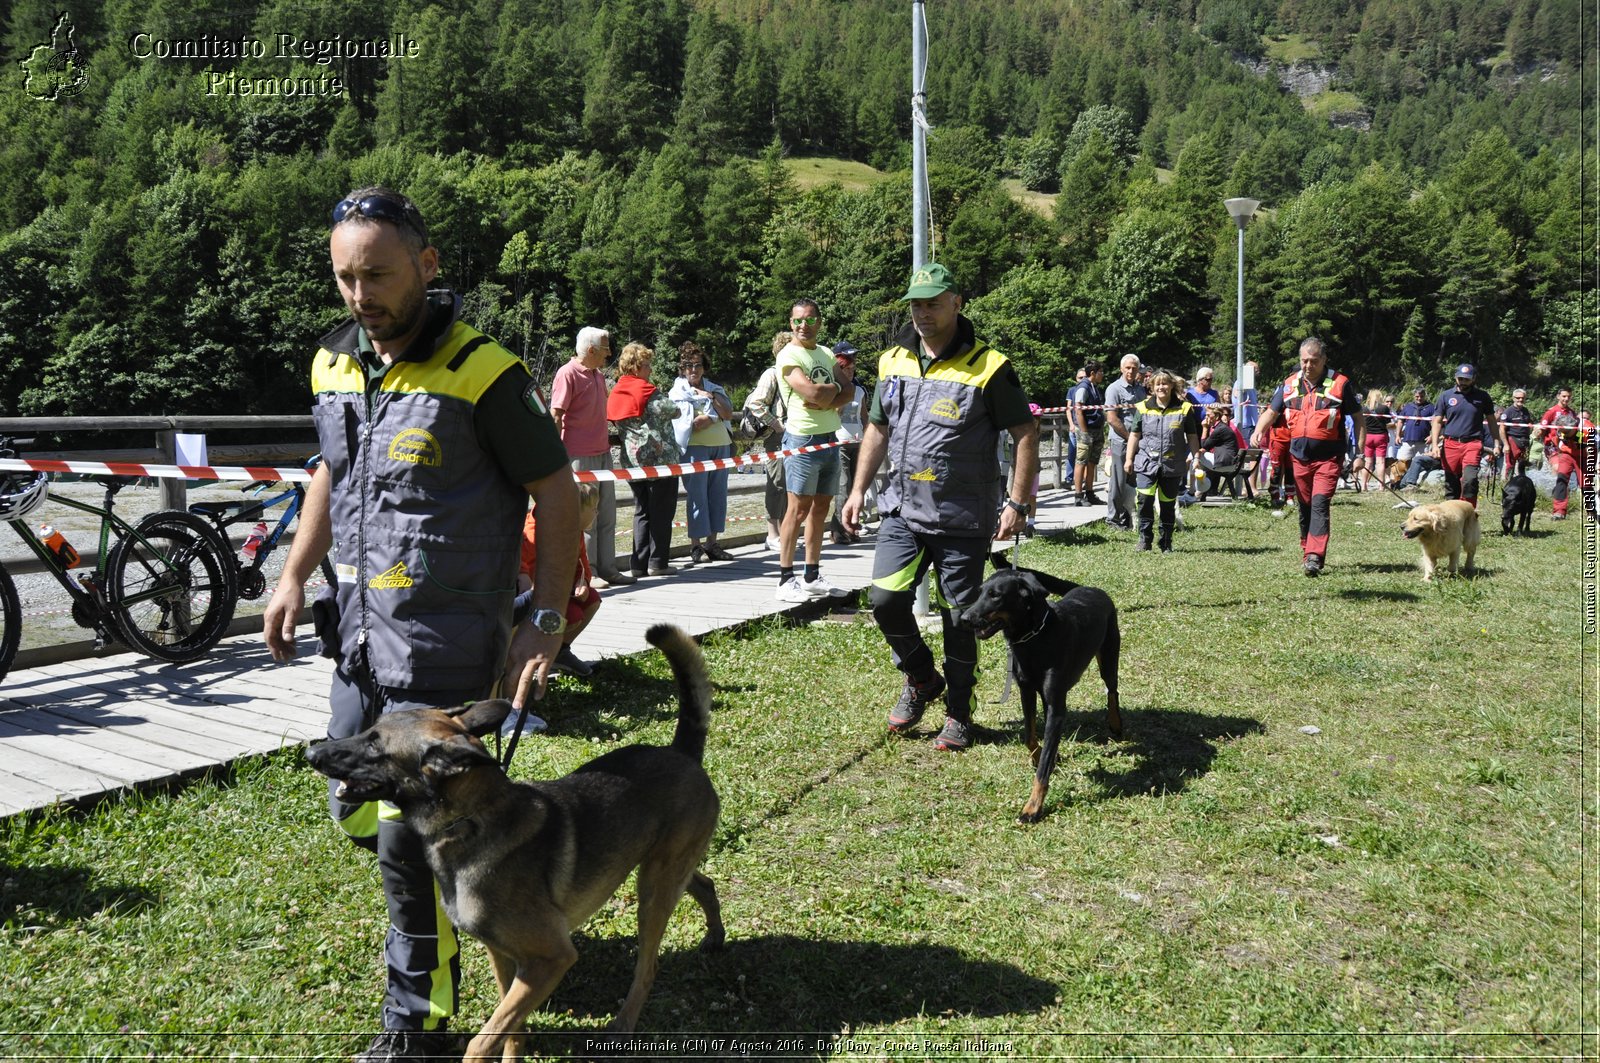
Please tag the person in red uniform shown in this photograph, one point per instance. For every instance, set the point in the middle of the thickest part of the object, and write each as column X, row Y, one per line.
column 1459, row 416
column 1563, row 449
column 1315, row 402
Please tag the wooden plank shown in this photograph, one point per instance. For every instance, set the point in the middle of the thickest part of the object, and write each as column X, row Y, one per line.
column 19, row 795
column 158, row 725
column 130, row 740
column 57, row 762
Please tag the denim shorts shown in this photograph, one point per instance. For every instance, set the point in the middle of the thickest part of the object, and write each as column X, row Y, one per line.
column 811, row 474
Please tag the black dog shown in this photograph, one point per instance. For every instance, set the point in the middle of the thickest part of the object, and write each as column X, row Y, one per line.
column 1516, row 504
column 1051, row 644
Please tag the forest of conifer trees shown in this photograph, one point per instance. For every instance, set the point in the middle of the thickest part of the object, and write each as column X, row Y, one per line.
column 622, row 162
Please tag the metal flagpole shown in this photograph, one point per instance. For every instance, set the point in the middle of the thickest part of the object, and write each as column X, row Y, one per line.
column 919, row 135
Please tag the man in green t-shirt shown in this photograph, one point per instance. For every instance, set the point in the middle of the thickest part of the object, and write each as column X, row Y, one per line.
column 813, row 399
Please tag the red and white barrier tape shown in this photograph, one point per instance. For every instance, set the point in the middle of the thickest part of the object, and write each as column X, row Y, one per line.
column 252, row 473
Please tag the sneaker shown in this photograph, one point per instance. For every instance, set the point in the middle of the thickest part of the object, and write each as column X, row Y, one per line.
column 617, row 579
column 914, row 700
column 773, row 544
column 1313, row 564
column 410, row 1046
column 568, row 663
column 532, row 725
column 791, row 591
column 821, row 588
column 1079, row 501
column 1094, row 499
column 955, row 736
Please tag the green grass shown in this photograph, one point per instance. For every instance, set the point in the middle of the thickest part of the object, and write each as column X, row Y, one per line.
column 1404, row 883
column 1041, row 203
column 1291, row 48
column 1325, row 105
column 815, row 172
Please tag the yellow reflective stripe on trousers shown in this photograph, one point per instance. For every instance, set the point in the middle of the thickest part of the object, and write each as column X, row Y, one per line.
column 442, row 996
column 363, row 822
column 901, row 580
column 1155, row 491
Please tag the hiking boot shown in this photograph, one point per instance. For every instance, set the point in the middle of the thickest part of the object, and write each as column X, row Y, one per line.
column 914, row 701
column 955, row 737
column 1313, row 564
column 410, row 1046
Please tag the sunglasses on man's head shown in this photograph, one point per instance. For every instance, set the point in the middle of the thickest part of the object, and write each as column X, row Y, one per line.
column 383, row 208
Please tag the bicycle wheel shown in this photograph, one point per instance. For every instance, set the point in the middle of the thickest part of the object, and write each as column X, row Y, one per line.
column 170, row 589
column 10, row 621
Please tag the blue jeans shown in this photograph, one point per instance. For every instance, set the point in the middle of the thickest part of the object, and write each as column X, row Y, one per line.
column 707, row 493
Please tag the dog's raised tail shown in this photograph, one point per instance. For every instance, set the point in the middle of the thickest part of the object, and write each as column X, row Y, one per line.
column 694, row 687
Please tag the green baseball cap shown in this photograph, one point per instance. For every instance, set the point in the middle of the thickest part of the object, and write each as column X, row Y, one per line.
column 929, row 281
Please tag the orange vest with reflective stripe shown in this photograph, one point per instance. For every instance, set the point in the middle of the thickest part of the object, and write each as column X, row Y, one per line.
column 1315, row 414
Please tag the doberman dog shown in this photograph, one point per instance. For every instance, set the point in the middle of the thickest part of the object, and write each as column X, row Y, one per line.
column 1051, row 644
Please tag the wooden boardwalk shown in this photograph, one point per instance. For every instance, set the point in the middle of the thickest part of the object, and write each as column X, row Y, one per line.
column 76, row 731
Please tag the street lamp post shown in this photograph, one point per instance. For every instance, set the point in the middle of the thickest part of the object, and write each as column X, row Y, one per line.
column 1241, row 211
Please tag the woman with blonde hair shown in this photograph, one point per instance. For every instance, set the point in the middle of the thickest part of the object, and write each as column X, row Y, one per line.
column 1163, row 430
column 1376, row 448
column 642, row 415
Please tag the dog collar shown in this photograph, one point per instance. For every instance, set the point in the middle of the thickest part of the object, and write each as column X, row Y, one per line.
column 1047, row 615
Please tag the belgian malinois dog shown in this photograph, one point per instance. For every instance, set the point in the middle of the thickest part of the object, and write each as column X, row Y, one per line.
column 522, row 864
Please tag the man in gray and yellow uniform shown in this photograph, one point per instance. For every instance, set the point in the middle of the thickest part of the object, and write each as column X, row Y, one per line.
column 433, row 438
column 942, row 400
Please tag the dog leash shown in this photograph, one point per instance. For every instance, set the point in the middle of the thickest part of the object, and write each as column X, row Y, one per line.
column 516, row 735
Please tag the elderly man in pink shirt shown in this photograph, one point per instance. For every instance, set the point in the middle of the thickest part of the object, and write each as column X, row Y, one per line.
column 578, row 404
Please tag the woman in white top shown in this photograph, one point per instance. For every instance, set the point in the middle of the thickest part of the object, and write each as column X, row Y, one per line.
column 704, row 411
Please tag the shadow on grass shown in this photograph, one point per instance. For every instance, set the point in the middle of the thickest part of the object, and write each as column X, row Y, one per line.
column 1236, row 550
column 1384, row 567
column 56, row 895
column 808, row 988
column 1357, row 594
column 1162, row 750
column 629, row 696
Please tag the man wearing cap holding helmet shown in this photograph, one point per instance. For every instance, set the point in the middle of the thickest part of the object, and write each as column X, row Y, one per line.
column 942, row 400
column 1456, row 437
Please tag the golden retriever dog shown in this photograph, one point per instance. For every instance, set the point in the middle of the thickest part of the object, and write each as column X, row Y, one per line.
column 1444, row 529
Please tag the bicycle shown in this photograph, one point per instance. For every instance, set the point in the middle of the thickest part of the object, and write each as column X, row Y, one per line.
column 248, row 574
column 162, row 586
